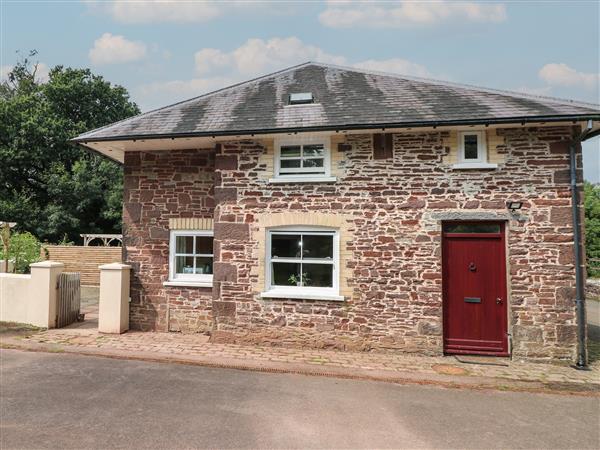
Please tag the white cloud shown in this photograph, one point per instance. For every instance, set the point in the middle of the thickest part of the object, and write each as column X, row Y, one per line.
column 257, row 56
column 41, row 74
column 162, row 11
column 186, row 88
column 181, row 11
column 111, row 49
column 161, row 93
column 211, row 59
column 408, row 13
column 217, row 68
column 4, row 71
column 560, row 74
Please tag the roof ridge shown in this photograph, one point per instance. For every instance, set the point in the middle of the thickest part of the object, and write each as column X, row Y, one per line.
column 461, row 85
column 207, row 94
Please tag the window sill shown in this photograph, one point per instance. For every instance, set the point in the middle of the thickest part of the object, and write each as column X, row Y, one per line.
column 283, row 294
column 293, row 180
column 472, row 166
column 183, row 283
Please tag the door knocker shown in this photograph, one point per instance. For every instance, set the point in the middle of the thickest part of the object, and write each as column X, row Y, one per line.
column 472, row 267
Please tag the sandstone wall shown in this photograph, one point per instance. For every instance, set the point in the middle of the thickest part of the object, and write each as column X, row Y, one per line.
column 390, row 213
column 161, row 186
column 393, row 211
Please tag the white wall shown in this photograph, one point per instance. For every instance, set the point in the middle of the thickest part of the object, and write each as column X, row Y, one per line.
column 14, row 297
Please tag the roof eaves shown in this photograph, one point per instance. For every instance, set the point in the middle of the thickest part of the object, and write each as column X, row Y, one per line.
column 96, row 152
column 372, row 126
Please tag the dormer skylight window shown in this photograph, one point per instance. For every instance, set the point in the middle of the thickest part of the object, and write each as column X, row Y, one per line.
column 301, row 98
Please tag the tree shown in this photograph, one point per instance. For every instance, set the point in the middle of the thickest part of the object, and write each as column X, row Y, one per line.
column 24, row 249
column 47, row 185
column 592, row 227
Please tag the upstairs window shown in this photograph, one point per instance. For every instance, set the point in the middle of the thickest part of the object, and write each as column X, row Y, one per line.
column 302, row 159
column 191, row 256
column 472, row 147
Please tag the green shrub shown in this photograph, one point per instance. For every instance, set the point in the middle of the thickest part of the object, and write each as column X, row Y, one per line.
column 592, row 228
column 24, row 249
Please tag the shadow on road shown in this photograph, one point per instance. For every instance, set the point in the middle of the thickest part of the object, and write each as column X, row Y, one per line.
column 593, row 343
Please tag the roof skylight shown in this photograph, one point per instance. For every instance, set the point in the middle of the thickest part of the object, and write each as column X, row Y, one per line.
column 301, row 98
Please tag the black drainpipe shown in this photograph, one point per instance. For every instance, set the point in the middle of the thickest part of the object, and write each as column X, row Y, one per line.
column 579, row 288
column 581, row 363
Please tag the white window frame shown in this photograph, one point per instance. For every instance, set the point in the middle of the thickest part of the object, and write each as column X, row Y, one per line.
column 481, row 147
column 303, row 292
column 302, row 141
column 192, row 279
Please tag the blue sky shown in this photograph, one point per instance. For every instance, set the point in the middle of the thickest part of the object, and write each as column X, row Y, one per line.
column 163, row 52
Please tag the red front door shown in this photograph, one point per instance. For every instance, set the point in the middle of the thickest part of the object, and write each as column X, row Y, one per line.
column 474, row 282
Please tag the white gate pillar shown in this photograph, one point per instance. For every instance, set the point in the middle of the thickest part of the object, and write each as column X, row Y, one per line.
column 113, row 310
column 44, row 293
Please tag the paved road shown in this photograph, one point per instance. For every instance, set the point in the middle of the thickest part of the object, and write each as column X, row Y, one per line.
column 68, row 401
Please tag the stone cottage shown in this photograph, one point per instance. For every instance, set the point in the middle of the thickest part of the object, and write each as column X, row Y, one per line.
column 331, row 207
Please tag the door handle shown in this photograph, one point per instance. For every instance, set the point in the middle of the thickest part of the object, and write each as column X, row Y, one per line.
column 498, row 301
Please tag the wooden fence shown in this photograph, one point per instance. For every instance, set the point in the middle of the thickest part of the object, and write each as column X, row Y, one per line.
column 81, row 259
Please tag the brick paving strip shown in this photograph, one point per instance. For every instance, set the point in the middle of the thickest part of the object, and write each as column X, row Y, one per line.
column 400, row 368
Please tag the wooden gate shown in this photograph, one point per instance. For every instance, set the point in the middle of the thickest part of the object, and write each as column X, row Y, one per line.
column 69, row 298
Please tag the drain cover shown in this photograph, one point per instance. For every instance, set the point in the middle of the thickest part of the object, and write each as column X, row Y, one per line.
column 447, row 369
column 484, row 360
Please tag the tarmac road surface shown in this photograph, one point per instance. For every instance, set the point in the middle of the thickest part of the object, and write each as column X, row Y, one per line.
column 68, row 401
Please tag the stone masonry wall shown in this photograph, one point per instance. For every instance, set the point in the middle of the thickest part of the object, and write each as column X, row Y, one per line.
column 393, row 209
column 159, row 186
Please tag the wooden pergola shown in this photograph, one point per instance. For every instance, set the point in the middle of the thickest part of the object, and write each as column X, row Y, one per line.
column 106, row 238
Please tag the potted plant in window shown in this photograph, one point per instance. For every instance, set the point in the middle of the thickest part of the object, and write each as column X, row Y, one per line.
column 296, row 281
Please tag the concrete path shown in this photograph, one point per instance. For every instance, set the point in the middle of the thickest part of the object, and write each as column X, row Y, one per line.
column 495, row 373
column 89, row 307
column 68, row 401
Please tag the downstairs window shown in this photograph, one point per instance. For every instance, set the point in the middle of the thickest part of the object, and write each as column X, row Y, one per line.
column 303, row 261
column 191, row 256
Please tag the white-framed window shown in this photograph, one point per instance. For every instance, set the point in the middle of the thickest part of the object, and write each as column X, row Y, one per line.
column 472, row 147
column 191, row 256
column 302, row 158
column 302, row 262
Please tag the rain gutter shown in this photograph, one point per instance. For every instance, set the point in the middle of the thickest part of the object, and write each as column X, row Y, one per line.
column 379, row 126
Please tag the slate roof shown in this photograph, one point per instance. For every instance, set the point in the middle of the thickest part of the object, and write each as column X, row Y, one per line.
column 345, row 98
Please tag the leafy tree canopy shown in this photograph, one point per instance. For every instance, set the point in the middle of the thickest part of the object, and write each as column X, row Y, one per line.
column 48, row 186
column 24, row 249
column 592, row 228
